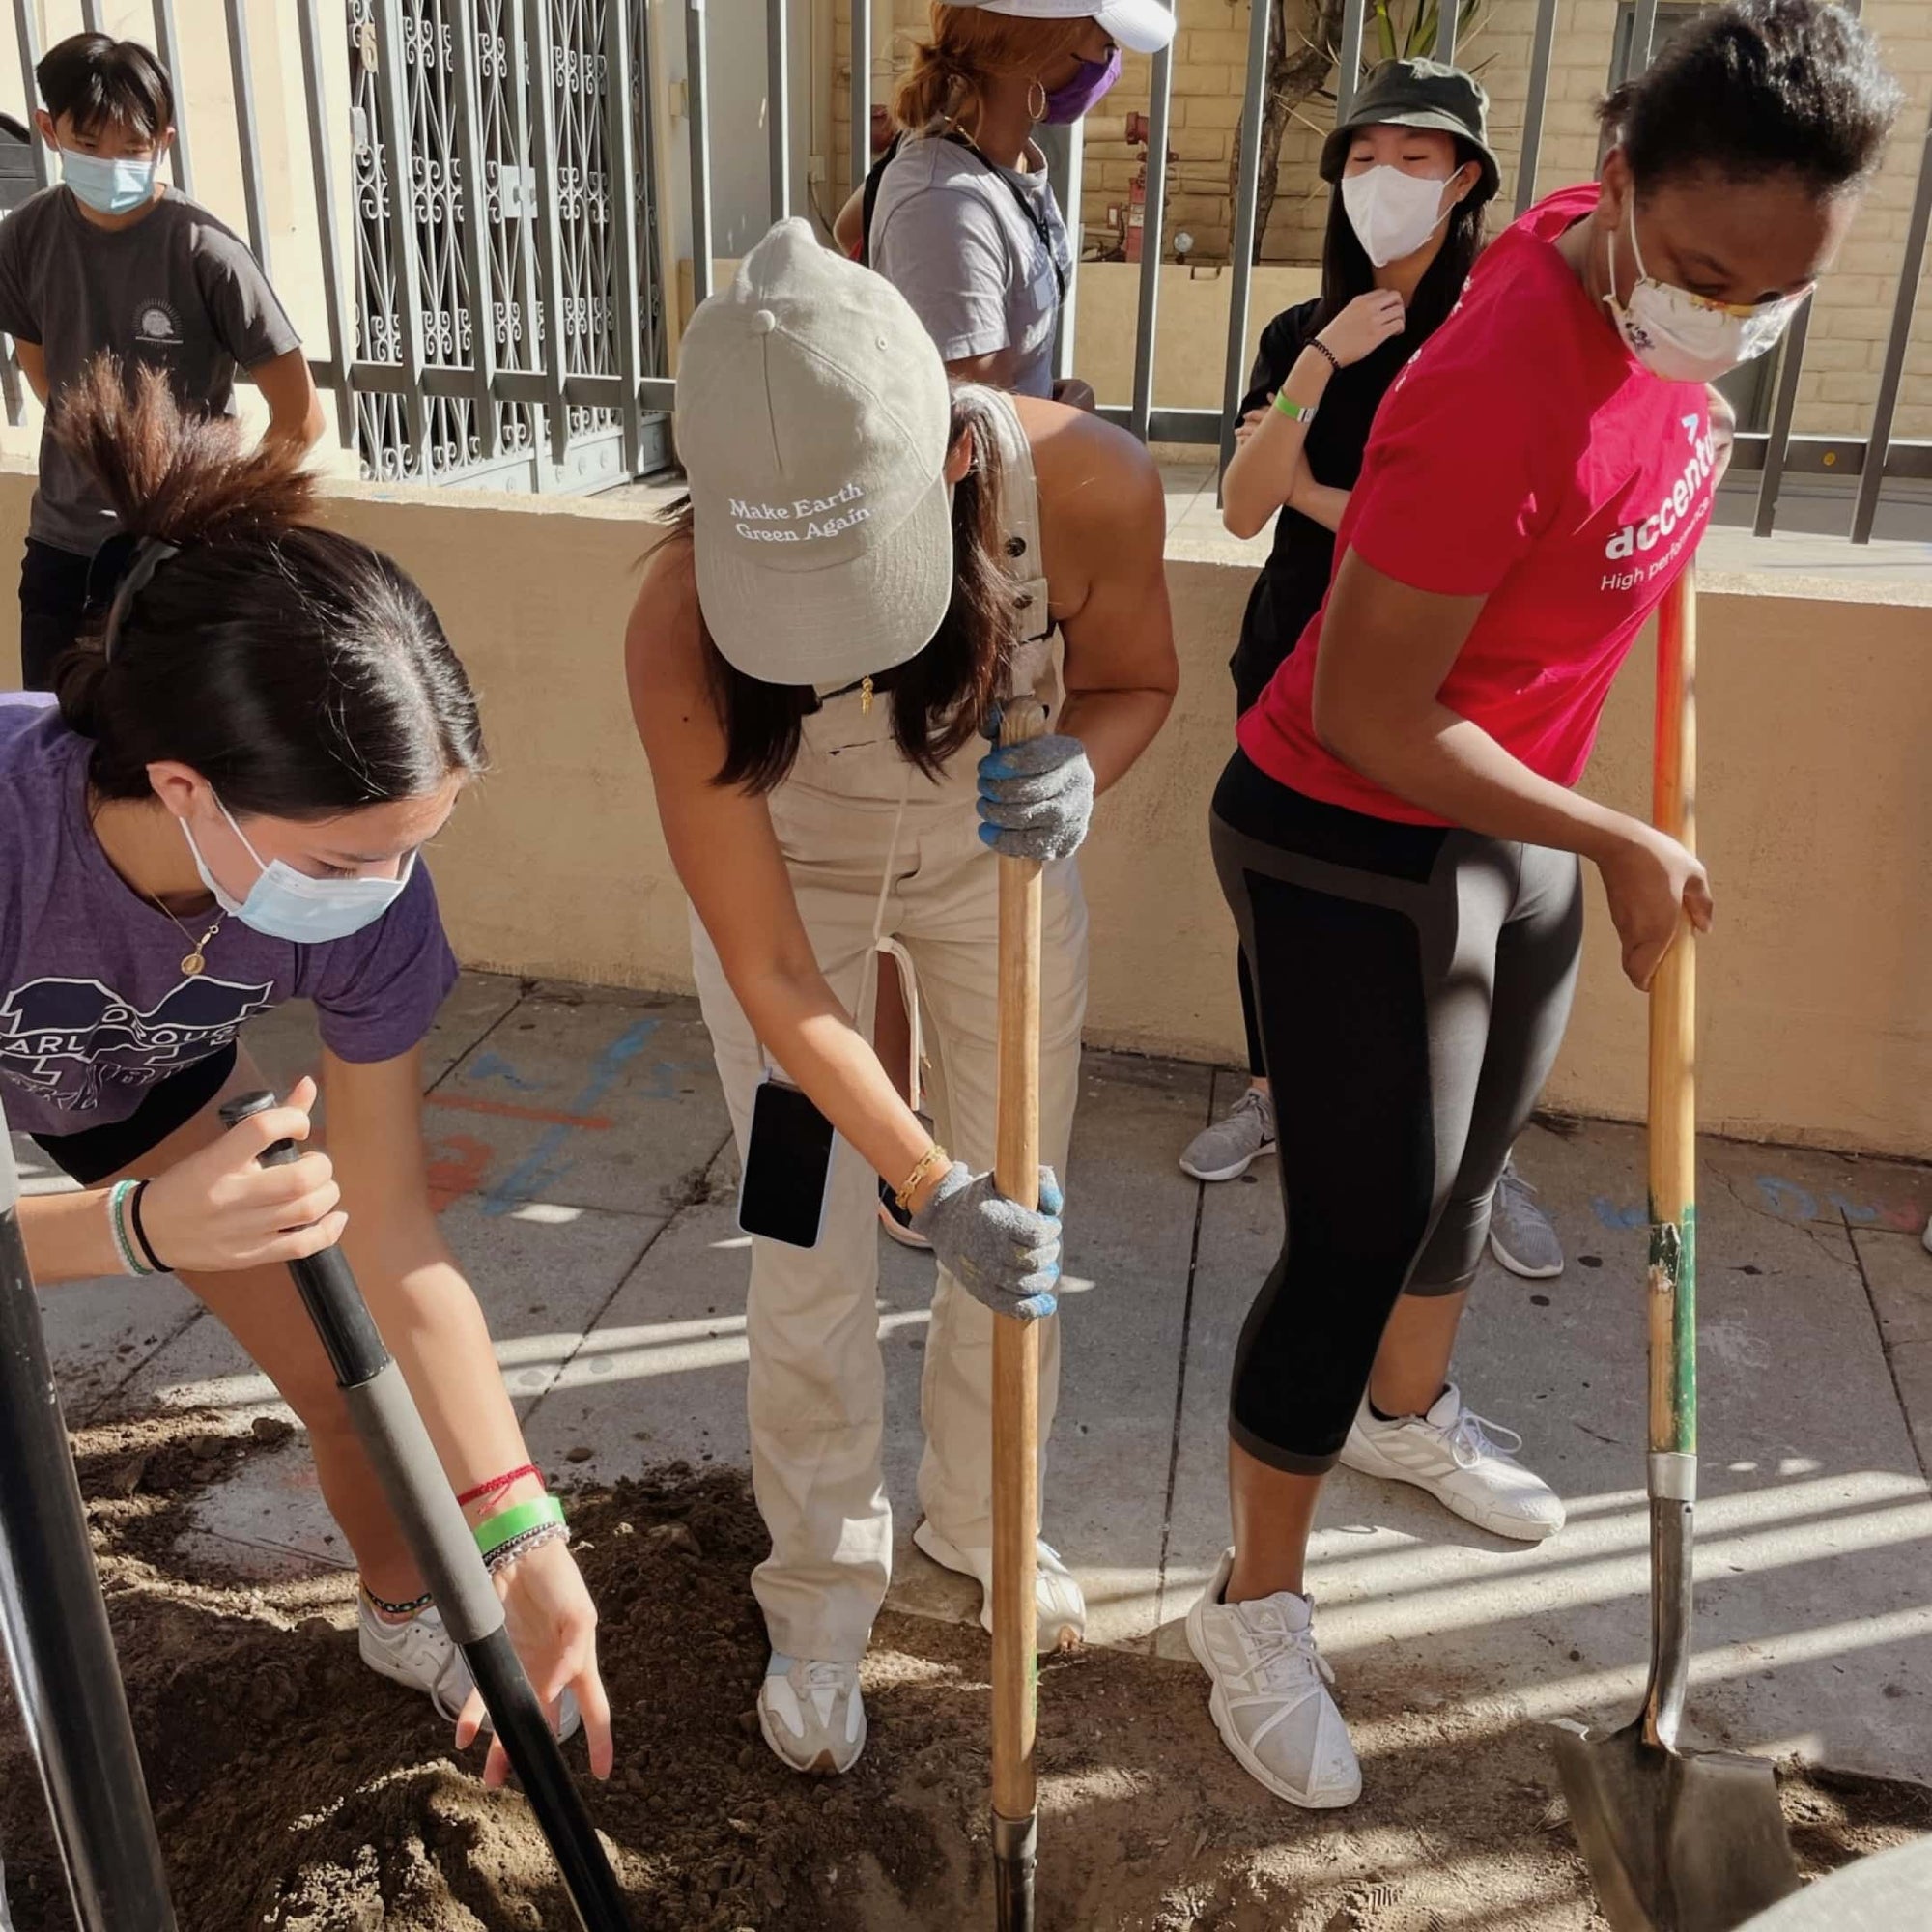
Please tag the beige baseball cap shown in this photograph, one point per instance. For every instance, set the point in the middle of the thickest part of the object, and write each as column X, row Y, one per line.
column 813, row 418
column 1141, row 26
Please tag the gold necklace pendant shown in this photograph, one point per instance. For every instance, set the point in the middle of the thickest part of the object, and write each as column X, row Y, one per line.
column 196, row 962
column 866, row 696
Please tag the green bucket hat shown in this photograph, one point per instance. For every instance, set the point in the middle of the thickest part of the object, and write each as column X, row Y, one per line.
column 1418, row 94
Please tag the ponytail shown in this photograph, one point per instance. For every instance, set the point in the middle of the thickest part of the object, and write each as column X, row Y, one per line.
column 966, row 52
column 301, row 673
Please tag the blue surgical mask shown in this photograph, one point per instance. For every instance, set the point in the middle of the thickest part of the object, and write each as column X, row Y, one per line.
column 108, row 187
column 284, row 903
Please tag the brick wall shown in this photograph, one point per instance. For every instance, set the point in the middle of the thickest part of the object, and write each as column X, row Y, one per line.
column 1854, row 307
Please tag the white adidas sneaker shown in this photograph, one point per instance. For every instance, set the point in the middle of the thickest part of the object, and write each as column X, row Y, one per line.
column 420, row 1655
column 1060, row 1608
column 1270, row 1699
column 812, row 1714
column 1466, row 1464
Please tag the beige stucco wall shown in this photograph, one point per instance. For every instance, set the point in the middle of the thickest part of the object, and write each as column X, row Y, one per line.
column 1816, row 813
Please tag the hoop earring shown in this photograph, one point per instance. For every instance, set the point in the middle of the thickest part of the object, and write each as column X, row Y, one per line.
column 1033, row 87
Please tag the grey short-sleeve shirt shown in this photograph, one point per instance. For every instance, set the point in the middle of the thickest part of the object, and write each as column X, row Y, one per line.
column 950, row 233
column 176, row 292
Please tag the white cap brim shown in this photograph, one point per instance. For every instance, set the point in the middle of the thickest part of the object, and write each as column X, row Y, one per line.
column 1141, row 26
column 830, row 627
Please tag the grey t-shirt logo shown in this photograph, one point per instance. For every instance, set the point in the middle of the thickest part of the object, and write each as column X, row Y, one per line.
column 157, row 326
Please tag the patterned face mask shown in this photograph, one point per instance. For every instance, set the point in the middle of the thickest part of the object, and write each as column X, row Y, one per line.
column 1689, row 338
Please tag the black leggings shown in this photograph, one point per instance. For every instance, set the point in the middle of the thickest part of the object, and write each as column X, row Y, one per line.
column 1417, row 979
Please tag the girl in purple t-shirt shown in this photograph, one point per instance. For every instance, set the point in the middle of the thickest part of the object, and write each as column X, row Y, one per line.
column 223, row 813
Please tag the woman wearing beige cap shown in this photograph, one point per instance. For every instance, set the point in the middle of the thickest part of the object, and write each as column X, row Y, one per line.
column 871, row 564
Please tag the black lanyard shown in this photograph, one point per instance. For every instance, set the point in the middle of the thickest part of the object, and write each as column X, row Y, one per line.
column 1034, row 218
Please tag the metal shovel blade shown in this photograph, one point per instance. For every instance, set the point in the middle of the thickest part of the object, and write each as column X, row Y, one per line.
column 1677, row 1842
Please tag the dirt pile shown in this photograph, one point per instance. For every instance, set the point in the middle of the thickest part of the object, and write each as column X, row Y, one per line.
column 294, row 1790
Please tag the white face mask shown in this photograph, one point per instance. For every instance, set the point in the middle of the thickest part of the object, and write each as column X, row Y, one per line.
column 1394, row 214
column 1689, row 338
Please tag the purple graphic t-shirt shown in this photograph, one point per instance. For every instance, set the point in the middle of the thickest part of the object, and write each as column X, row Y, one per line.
column 94, row 1010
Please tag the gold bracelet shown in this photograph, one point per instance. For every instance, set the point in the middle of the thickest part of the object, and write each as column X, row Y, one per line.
column 935, row 1156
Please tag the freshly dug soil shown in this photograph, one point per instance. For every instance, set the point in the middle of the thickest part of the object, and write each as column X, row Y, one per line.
column 295, row 1790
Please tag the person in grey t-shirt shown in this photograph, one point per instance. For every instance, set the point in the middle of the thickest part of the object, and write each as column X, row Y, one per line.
column 111, row 262
column 964, row 222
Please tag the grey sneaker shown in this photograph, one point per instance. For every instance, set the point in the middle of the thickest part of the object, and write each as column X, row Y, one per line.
column 1226, row 1151
column 1520, row 1236
column 812, row 1714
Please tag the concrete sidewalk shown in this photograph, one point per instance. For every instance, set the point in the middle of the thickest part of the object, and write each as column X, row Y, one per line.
column 581, row 1148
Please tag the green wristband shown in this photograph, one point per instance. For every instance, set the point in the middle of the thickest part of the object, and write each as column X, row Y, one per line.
column 493, row 1532
column 1301, row 412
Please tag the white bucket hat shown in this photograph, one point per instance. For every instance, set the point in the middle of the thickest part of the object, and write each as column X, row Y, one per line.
column 813, row 420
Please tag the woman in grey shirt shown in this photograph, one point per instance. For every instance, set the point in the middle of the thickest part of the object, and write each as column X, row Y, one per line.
column 964, row 224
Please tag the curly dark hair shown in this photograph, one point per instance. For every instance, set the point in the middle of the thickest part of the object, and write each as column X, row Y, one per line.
column 1758, row 86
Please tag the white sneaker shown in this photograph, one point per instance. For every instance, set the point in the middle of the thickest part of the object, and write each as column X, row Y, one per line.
column 1062, row 1608
column 420, row 1655
column 1464, row 1463
column 1271, row 1700
column 812, row 1714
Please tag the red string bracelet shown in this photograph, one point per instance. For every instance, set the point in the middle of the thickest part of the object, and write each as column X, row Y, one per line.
column 497, row 1484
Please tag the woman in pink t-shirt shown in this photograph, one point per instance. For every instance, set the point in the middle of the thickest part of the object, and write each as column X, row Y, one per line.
column 1398, row 836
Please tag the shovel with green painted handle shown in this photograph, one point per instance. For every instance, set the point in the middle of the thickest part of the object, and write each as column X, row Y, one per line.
column 1677, row 1840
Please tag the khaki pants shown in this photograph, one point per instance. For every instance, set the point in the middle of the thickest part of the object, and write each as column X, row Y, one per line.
column 817, row 1377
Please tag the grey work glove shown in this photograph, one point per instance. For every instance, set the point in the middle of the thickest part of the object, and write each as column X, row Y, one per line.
column 1037, row 798
column 1005, row 1256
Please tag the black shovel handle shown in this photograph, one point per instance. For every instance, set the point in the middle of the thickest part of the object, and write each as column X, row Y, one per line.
column 59, row 1647
column 426, row 1509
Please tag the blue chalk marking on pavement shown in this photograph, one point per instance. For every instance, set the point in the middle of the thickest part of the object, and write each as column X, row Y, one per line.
column 1786, row 1199
column 1861, row 1213
column 491, row 1065
column 540, row 1167
column 1614, row 1214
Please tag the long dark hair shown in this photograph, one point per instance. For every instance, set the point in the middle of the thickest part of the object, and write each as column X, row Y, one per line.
column 938, row 697
column 1348, row 272
column 301, row 673
column 1759, row 87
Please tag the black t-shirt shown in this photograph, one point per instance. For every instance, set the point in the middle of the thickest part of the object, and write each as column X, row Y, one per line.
column 1295, row 576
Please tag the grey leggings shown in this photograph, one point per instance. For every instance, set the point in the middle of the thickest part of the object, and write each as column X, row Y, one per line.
column 1412, row 984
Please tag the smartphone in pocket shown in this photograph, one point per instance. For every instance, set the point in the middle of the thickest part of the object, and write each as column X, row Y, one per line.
column 787, row 1167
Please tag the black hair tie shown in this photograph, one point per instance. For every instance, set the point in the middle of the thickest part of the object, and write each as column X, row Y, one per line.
column 153, row 1260
column 149, row 553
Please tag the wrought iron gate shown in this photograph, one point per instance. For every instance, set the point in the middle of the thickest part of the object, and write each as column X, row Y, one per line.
column 503, row 227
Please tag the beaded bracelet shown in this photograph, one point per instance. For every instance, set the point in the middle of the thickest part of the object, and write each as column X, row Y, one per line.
column 506, row 1525
column 124, row 1243
column 507, row 1553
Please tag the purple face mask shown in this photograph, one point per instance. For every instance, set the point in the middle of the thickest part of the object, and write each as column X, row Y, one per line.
column 1083, row 93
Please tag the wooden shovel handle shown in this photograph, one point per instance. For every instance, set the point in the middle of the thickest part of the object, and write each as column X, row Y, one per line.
column 1016, row 1343
column 1673, row 1016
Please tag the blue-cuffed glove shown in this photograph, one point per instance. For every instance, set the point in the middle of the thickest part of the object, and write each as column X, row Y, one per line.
column 1005, row 1256
column 1037, row 798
